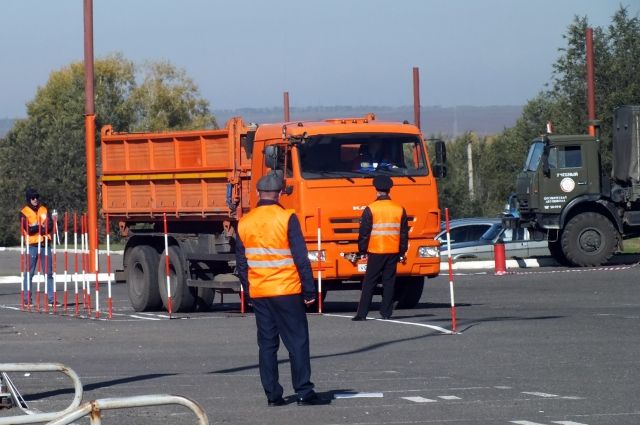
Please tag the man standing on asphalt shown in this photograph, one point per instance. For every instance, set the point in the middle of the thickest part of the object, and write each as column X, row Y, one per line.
column 37, row 226
column 383, row 237
column 274, row 269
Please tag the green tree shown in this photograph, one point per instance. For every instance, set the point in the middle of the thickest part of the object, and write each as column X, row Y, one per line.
column 47, row 149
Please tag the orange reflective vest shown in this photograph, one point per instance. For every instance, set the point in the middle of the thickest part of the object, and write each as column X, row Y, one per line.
column 272, row 271
column 33, row 217
column 385, row 232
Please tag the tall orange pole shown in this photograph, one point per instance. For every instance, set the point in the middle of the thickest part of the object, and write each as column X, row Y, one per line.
column 286, row 107
column 90, row 135
column 416, row 96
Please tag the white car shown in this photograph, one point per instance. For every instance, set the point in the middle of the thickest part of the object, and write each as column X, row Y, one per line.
column 474, row 238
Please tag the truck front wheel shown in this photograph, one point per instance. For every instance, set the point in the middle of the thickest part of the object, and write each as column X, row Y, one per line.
column 407, row 291
column 589, row 240
column 142, row 278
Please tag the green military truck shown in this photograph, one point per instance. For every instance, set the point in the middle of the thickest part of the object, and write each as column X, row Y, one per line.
column 563, row 194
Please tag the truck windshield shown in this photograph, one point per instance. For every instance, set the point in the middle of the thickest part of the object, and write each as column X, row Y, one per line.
column 361, row 155
column 533, row 158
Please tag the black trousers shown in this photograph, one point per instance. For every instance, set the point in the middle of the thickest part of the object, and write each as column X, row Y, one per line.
column 283, row 317
column 380, row 267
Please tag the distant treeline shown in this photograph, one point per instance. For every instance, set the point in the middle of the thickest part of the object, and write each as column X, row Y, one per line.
column 446, row 121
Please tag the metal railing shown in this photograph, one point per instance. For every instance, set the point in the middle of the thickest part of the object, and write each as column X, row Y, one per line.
column 94, row 408
column 31, row 416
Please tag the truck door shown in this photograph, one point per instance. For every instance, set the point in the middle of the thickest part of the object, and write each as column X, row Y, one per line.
column 564, row 179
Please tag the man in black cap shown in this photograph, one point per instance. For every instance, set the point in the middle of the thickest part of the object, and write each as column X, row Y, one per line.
column 37, row 226
column 274, row 269
column 383, row 237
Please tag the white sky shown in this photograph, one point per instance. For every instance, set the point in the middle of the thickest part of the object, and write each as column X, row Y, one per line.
column 246, row 53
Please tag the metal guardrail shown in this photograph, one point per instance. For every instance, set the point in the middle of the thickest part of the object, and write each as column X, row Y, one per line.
column 95, row 407
column 33, row 417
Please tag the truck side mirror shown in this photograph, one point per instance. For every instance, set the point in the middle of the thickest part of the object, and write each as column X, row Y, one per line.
column 439, row 170
column 441, row 152
column 271, row 156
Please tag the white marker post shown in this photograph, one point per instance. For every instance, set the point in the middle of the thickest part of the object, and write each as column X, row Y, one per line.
column 166, row 251
column 450, row 261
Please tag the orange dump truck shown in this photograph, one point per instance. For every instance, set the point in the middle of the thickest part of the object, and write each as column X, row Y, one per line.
column 204, row 181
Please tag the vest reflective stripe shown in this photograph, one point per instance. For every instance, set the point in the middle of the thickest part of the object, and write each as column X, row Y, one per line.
column 385, row 233
column 272, row 271
column 33, row 217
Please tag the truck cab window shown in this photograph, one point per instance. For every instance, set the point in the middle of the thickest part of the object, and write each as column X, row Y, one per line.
column 569, row 157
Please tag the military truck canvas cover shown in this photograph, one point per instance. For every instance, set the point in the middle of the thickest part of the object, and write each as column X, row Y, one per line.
column 626, row 145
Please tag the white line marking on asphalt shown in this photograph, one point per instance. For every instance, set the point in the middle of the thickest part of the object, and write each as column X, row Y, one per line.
column 420, row 399
column 358, row 395
column 502, row 387
column 423, row 325
column 144, row 318
column 526, row 423
column 449, row 397
column 545, row 395
column 567, row 423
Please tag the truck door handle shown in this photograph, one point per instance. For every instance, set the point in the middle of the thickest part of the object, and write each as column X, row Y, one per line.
column 582, row 183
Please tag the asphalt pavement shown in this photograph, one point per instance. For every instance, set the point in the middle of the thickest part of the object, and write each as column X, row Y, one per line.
column 536, row 346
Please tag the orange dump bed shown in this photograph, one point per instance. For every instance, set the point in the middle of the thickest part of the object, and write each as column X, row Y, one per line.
column 179, row 173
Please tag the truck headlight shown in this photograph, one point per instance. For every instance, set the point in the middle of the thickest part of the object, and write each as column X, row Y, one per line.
column 428, row 251
column 316, row 256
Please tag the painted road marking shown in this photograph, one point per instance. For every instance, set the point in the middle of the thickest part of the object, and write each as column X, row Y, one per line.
column 420, row 399
column 545, row 395
column 553, row 422
column 402, row 322
column 449, row 397
column 358, row 395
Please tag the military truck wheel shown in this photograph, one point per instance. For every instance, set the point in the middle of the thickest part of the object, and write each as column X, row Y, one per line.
column 589, row 239
column 142, row 278
column 408, row 291
column 555, row 248
column 183, row 297
column 205, row 297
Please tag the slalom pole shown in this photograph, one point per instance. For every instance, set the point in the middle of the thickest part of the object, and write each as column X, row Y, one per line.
column 22, row 291
column 45, row 272
column 450, row 261
column 166, row 251
column 87, row 253
column 28, row 266
column 319, row 265
column 110, row 302
column 75, row 260
column 55, row 265
column 66, row 263
column 39, row 263
column 97, row 280
column 82, row 263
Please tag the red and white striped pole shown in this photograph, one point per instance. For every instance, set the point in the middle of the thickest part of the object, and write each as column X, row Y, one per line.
column 453, row 304
column 97, row 277
column 55, row 265
column 45, row 272
column 22, row 262
column 87, row 253
column 75, row 260
column 66, row 262
column 110, row 302
column 166, row 257
column 319, row 263
column 28, row 264
column 39, row 262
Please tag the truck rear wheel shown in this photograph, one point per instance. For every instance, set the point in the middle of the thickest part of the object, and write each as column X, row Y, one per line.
column 205, row 299
column 142, row 278
column 589, row 239
column 407, row 291
column 183, row 297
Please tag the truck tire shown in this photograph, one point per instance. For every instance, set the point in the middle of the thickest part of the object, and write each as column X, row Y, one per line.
column 183, row 297
column 555, row 248
column 407, row 291
column 589, row 239
column 142, row 278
